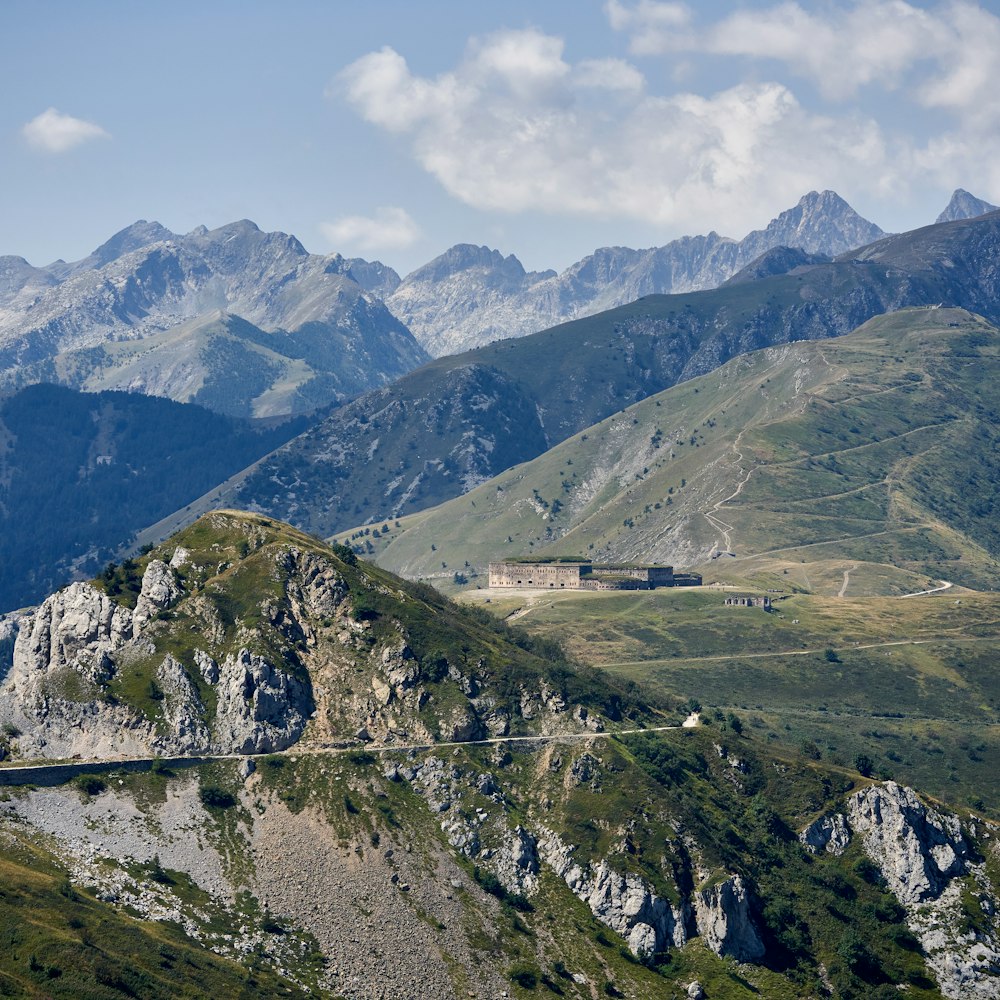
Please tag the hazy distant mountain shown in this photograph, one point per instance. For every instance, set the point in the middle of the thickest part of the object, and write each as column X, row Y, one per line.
column 965, row 206
column 326, row 334
column 80, row 472
column 470, row 295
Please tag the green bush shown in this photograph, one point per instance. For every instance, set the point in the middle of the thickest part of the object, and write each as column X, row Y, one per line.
column 90, row 784
column 215, row 797
column 525, row 976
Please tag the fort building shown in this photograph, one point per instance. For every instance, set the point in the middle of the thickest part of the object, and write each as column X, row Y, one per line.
column 749, row 602
column 581, row 574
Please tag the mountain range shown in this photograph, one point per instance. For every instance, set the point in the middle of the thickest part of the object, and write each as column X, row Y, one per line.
column 471, row 295
column 250, row 324
column 246, row 321
column 863, row 465
column 460, row 420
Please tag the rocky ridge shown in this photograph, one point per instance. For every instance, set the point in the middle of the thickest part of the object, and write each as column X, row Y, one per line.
column 929, row 865
column 185, row 659
column 306, row 320
column 470, row 296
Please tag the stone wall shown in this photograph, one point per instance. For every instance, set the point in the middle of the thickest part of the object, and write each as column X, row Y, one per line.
column 514, row 574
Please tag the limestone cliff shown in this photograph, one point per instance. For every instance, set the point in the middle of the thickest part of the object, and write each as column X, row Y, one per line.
column 928, row 862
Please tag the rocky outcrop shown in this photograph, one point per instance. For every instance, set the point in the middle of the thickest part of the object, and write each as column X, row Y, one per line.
column 827, row 833
column 918, row 849
column 624, row 902
column 10, row 625
column 182, row 710
column 722, row 915
column 76, row 628
column 160, row 589
column 930, row 866
column 260, row 707
column 516, row 862
column 69, row 654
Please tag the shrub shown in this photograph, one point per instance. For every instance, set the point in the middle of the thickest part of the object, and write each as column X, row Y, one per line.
column 215, row 797
column 90, row 784
column 525, row 976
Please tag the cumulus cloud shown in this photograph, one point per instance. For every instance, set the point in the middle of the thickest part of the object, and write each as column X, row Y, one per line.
column 515, row 127
column 54, row 132
column 390, row 228
column 947, row 55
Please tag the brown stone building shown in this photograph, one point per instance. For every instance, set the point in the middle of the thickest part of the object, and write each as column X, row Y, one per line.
column 580, row 574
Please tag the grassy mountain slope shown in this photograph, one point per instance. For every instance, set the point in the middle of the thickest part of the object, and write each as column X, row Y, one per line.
column 873, row 455
column 433, row 435
column 460, row 420
column 63, row 942
column 528, row 861
column 80, row 472
column 907, row 682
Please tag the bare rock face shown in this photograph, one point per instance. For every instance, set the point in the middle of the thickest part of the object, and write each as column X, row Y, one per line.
column 918, row 849
column 624, row 902
column 182, row 710
column 314, row 582
column 260, row 707
column 517, row 861
column 160, row 589
column 929, row 865
column 828, row 833
column 62, row 657
column 76, row 628
column 10, row 625
column 722, row 914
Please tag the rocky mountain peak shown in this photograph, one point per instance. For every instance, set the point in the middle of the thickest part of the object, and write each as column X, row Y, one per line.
column 468, row 257
column 964, row 206
column 821, row 222
column 134, row 237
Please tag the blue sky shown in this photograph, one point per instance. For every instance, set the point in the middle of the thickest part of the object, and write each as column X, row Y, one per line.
column 396, row 129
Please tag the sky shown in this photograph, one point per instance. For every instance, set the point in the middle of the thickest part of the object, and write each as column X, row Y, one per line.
column 392, row 130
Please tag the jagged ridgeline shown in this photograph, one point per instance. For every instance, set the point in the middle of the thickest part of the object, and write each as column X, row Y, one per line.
column 243, row 635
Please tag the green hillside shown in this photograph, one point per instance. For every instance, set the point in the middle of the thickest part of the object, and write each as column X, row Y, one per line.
column 460, row 420
column 861, row 465
column 525, row 824
column 909, row 682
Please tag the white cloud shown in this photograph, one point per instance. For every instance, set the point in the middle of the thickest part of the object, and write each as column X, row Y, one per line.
column 843, row 46
column 587, row 139
column 608, row 74
column 655, row 26
column 517, row 126
column 390, row 228
column 54, row 132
